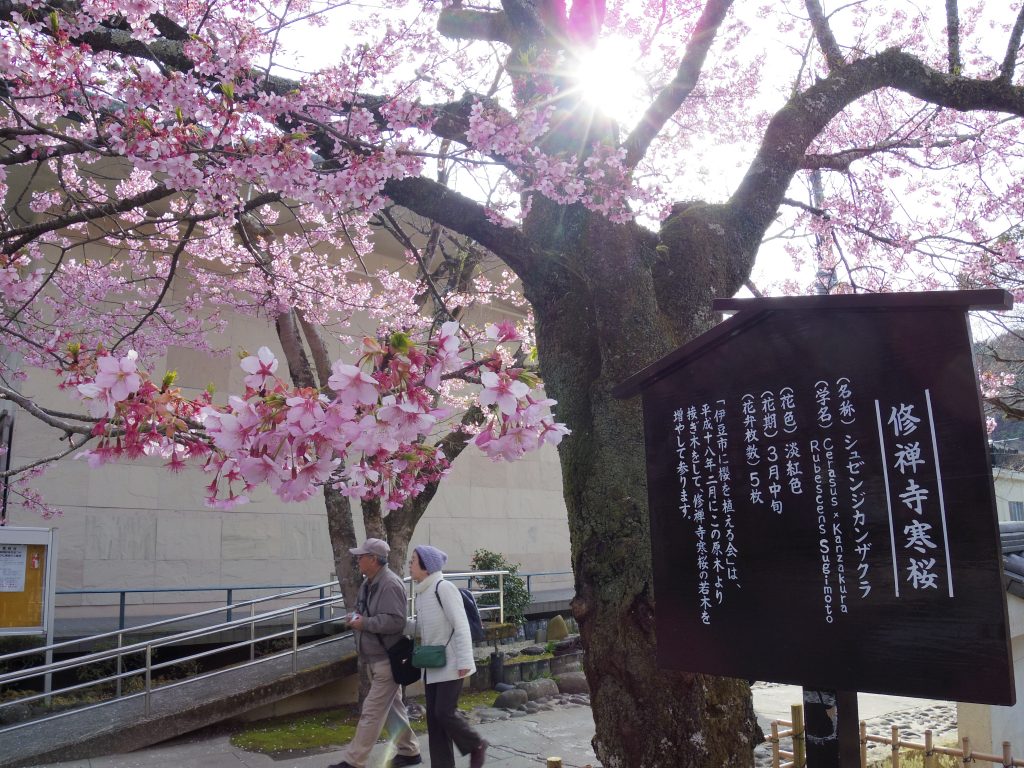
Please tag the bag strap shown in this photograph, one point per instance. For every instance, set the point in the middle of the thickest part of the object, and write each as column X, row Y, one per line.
column 437, row 587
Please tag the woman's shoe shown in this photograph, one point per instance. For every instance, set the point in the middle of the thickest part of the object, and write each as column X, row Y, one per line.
column 478, row 755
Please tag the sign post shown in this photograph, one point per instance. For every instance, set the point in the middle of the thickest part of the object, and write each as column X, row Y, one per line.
column 826, row 456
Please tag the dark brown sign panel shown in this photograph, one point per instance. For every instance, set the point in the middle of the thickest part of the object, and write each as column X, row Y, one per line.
column 821, row 502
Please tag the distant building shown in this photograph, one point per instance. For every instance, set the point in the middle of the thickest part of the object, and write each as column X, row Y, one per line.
column 1009, row 487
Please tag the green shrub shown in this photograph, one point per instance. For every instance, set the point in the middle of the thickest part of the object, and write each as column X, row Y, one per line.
column 516, row 596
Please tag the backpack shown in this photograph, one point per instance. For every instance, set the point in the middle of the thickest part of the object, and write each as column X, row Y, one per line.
column 476, row 627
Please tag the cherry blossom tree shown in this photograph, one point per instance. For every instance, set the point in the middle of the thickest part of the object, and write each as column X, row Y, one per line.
column 876, row 142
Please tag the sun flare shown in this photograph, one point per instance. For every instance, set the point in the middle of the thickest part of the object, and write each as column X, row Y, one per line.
column 607, row 77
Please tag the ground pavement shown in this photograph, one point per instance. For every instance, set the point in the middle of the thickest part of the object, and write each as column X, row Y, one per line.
column 520, row 742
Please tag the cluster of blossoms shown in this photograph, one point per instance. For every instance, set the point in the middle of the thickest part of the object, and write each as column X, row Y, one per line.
column 601, row 182
column 369, row 435
column 17, row 285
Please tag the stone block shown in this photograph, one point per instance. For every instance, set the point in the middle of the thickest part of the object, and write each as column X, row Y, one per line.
column 511, row 699
column 539, row 689
column 572, row 683
column 120, row 535
column 557, row 629
column 247, row 536
column 188, row 536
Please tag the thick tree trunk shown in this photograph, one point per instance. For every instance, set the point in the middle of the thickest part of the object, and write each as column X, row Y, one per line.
column 595, row 326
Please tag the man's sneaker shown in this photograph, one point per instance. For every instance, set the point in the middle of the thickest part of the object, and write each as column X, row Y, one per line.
column 402, row 760
column 478, row 755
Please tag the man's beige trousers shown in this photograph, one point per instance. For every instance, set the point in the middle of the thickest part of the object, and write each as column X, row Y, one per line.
column 383, row 706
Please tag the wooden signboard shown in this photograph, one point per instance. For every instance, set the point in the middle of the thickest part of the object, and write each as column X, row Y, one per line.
column 821, row 499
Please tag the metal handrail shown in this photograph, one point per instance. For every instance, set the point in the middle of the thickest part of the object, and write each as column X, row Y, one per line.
column 529, row 576
column 230, row 605
column 173, row 620
column 142, row 645
column 147, row 647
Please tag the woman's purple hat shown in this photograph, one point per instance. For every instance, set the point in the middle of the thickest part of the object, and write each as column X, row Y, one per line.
column 433, row 559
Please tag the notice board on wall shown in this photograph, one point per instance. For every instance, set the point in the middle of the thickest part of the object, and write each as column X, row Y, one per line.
column 27, row 573
column 821, row 500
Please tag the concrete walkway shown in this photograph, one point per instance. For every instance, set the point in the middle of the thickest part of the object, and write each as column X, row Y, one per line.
column 516, row 743
column 522, row 742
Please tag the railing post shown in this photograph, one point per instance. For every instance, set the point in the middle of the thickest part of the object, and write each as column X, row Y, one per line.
column 967, row 756
column 863, row 744
column 252, row 632
column 120, row 662
column 501, row 598
column 799, row 747
column 120, row 612
column 929, row 750
column 1007, row 755
column 322, row 614
column 230, row 602
column 895, row 746
column 295, row 640
column 149, row 674
column 776, row 757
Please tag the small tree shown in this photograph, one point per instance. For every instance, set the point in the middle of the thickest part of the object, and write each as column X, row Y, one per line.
column 517, row 597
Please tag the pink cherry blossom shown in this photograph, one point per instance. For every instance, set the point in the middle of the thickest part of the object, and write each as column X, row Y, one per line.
column 502, row 391
column 503, row 331
column 354, row 387
column 118, row 376
column 261, row 368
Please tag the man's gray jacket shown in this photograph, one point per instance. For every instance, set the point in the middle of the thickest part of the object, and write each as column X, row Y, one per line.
column 382, row 602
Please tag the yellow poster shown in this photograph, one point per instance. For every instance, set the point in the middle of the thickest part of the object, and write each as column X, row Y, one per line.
column 22, row 585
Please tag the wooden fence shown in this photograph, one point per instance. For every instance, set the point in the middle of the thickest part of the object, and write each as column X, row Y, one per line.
column 797, row 757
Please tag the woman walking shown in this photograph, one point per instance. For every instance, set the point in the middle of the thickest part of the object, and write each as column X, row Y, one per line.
column 441, row 620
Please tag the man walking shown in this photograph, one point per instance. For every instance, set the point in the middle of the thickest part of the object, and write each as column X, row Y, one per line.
column 378, row 621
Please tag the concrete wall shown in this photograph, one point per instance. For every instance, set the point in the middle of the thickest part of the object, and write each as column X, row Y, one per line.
column 1009, row 486
column 989, row 726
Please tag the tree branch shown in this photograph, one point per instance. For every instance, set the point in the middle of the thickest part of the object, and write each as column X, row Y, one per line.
column 291, row 343
column 27, row 234
column 672, row 96
column 462, row 24
column 793, row 129
column 841, row 161
column 171, row 269
column 1010, row 60
column 399, row 234
column 823, row 34
column 43, row 415
column 317, row 347
column 953, row 37
column 72, row 447
column 461, row 214
column 1005, row 408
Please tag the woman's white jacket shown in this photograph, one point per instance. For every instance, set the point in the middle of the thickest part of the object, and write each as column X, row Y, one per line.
column 434, row 623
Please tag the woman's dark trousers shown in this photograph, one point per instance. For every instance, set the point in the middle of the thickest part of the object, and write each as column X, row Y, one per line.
column 446, row 725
